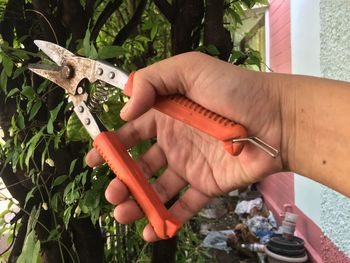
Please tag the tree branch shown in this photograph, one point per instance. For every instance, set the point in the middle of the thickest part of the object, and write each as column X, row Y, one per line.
column 103, row 17
column 251, row 33
column 189, row 16
column 214, row 31
column 242, row 44
column 89, row 7
column 19, row 240
column 167, row 9
column 87, row 236
column 74, row 18
column 47, row 29
column 131, row 25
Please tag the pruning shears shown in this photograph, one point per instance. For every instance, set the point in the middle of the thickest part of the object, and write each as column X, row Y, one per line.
column 74, row 73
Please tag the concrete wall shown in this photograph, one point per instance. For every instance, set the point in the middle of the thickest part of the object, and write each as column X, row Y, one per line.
column 335, row 64
column 313, row 38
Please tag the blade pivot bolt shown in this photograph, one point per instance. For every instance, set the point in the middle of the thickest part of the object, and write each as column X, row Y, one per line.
column 81, row 109
column 99, row 71
column 80, row 90
column 87, row 121
column 111, row 75
column 67, row 72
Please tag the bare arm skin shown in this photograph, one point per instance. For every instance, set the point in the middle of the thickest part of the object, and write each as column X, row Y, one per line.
column 316, row 119
column 306, row 118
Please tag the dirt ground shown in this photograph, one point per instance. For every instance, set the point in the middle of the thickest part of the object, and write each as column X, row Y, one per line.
column 219, row 215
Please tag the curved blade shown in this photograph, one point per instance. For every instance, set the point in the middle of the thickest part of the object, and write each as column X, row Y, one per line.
column 55, row 52
column 50, row 72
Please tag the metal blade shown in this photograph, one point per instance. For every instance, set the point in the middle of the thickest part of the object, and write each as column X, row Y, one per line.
column 58, row 54
column 50, row 72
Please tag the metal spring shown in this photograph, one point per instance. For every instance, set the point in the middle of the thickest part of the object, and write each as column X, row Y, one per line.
column 98, row 97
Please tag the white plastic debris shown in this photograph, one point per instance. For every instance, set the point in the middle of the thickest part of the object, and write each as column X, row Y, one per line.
column 217, row 239
column 244, row 207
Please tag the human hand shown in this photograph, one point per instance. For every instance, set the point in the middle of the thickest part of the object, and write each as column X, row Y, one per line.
column 193, row 159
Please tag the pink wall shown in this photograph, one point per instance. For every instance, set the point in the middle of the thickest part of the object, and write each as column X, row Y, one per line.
column 278, row 189
column 280, row 44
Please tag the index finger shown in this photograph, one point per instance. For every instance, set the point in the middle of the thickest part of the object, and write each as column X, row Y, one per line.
column 131, row 134
column 163, row 78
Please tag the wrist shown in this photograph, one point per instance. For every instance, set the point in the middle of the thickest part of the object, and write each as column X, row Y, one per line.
column 283, row 86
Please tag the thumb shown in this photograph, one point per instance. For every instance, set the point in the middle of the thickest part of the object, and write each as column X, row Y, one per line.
column 142, row 96
column 163, row 78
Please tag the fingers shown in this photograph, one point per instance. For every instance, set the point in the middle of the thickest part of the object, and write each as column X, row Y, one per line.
column 130, row 134
column 164, row 78
column 166, row 186
column 188, row 205
column 149, row 163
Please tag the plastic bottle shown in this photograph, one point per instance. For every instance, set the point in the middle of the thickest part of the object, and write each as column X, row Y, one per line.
column 254, row 247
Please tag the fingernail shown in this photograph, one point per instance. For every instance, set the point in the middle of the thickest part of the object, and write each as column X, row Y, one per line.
column 125, row 108
column 129, row 84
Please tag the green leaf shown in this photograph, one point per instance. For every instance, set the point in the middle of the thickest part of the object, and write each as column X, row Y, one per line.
column 29, row 195
column 212, row 50
column 86, row 43
column 67, row 215
column 54, row 201
column 33, row 218
column 20, row 121
column 28, row 92
column 59, row 180
column 68, row 189
column 92, row 199
column 54, row 234
column 84, row 177
column 3, row 81
column 72, row 165
column 235, row 55
column 34, row 110
column 32, row 145
column 75, row 131
column 19, row 71
column 8, row 65
column 107, row 52
column 93, row 52
column 111, row 118
column 30, row 247
column 12, row 92
column 53, row 116
column 154, row 31
column 43, row 86
column 43, row 155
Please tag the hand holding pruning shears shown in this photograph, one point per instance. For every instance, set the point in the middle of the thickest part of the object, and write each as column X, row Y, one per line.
column 202, row 150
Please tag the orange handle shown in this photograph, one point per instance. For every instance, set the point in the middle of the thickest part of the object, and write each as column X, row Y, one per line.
column 193, row 114
column 116, row 156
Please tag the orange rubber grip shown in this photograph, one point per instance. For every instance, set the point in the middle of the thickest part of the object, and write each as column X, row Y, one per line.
column 191, row 113
column 116, row 156
column 183, row 109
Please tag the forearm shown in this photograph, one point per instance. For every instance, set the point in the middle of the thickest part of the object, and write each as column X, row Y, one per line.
column 316, row 129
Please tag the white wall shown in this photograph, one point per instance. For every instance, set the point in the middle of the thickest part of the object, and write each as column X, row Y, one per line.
column 305, row 49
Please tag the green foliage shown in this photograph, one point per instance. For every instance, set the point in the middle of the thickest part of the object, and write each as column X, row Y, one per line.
column 31, row 248
column 39, row 129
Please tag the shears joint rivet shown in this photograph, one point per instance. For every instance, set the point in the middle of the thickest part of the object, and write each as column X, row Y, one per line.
column 80, row 90
column 67, row 72
column 99, row 71
column 87, row 121
column 81, row 109
column 111, row 75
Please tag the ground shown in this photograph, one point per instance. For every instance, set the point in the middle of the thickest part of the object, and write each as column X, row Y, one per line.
column 219, row 215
